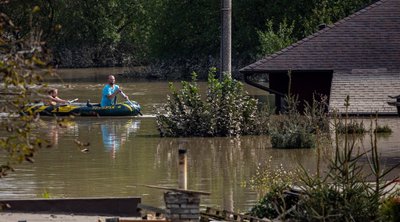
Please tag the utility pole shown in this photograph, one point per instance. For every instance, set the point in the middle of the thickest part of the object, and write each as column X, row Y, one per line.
column 226, row 37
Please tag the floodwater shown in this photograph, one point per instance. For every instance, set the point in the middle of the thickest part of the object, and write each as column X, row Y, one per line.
column 126, row 153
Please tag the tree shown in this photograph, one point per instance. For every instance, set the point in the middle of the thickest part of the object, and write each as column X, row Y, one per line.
column 185, row 29
column 149, row 30
column 272, row 41
column 23, row 63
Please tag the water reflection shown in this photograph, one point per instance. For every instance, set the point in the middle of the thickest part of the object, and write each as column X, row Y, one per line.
column 53, row 129
column 221, row 165
column 115, row 134
column 125, row 152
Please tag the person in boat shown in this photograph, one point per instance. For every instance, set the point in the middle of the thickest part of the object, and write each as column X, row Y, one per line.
column 52, row 98
column 110, row 92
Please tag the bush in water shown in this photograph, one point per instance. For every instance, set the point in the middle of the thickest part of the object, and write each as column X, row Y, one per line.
column 292, row 129
column 352, row 127
column 227, row 110
column 383, row 129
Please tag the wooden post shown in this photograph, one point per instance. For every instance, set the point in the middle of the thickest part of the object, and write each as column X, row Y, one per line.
column 182, row 176
column 226, row 36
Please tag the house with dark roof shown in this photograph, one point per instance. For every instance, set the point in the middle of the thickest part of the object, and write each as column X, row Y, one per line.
column 357, row 56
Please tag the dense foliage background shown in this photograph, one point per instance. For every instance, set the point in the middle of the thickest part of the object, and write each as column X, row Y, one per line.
column 133, row 32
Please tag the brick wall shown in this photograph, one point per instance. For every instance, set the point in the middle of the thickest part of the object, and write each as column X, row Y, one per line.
column 368, row 90
column 182, row 207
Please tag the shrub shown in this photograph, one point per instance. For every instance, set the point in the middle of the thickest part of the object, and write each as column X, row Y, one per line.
column 316, row 114
column 292, row 136
column 271, row 182
column 269, row 178
column 352, row 127
column 293, row 130
column 227, row 110
column 265, row 208
column 390, row 209
column 336, row 200
column 383, row 129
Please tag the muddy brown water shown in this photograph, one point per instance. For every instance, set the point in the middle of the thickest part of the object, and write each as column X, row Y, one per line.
column 125, row 153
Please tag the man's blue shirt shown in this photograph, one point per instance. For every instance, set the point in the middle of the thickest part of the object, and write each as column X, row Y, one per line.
column 108, row 90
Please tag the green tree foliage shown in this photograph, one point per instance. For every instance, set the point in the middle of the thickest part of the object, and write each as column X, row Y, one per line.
column 74, row 23
column 330, row 11
column 185, row 29
column 23, row 63
column 78, row 22
column 250, row 17
column 164, row 29
column 271, row 41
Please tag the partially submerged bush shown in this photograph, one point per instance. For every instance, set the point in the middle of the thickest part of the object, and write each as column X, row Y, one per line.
column 383, row 129
column 293, row 130
column 355, row 127
column 352, row 127
column 227, row 110
column 290, row 135
column 316, row 114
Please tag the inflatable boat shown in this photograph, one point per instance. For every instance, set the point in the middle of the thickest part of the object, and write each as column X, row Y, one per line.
column 85, row 109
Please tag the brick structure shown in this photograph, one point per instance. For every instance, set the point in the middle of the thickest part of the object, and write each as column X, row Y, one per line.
column 182, row 206
column 357, row 56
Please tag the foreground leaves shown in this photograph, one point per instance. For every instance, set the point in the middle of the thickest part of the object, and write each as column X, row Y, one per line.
column 23, row 63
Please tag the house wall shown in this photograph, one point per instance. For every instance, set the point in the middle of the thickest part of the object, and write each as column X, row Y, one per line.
column 368, row 90
column 304, row 84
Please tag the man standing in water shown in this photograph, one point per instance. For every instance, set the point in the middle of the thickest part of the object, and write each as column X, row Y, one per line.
column 110, row 92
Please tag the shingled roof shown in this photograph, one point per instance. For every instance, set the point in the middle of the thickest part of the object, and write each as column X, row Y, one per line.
column 368, row 39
